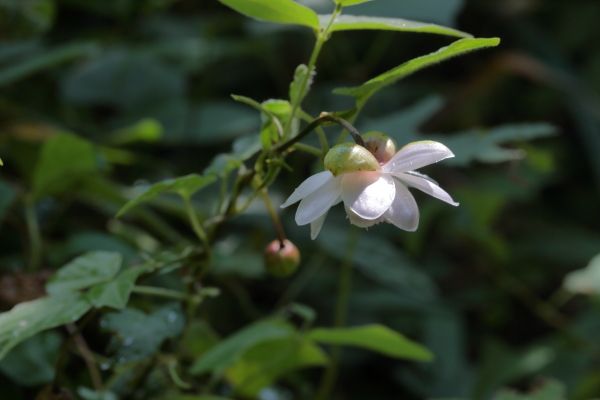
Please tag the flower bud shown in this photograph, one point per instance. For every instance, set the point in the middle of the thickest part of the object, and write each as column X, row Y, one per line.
column 380, row 145
column 349, row 157
column 281, row 260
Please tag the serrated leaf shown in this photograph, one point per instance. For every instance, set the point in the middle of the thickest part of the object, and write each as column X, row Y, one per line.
column 278, row 11
column 376, row 338
column 65, row 160
column 229, row 350
column 27, row 319
column 115, row 293
column 264, row 363
column 85, row 271
column 459, row 47
column 184, row 186
column 359, row 22
column 301, row 84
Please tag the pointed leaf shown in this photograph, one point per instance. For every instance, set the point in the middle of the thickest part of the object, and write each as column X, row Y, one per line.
column 278, row 11
column 376, row 338
column 347, row 3
column 359, row 22
column 27, row 319
column 85, row 271
column 185, row 186
column 115, row 293
column 462, row 46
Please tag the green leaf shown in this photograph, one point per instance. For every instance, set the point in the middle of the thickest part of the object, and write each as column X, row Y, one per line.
column 32, row 362
column 27, row 319
column 376, row 338
column 64, row 161
column 263, row 364
column 462, row 46
column 278, row 11
column 228, row 351
column 139, row 335
column 115, row 293
column 549, row 390
column 347, row 3
column 184, row 186
column 90, row 394
column 85, row 271
column 586, row 280
column 301, row 75
column 359, row 22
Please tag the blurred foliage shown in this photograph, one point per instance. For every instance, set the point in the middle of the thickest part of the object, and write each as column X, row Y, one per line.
column 124, row 106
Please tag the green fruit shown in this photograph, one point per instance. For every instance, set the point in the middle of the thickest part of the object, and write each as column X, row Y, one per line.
column 350, row 157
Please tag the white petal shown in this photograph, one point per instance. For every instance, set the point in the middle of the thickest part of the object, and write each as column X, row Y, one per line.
column 367, row 194
column 416, row 155
column 316, row 225
column 360, row 222
column 404, row 212
column 307, row 187
column 427, row 185
column 317, row 203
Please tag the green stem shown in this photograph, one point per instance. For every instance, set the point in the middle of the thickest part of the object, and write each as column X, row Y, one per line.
column 196, row 226
column 35, row 237
column 274, row 217
column 322, row 37
column 315, row 151
column 159, row 292
column 341, row 313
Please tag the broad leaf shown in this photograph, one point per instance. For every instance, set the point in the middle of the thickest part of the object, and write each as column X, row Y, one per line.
column 115, row 293
column 65, row 160
column 278, row 11
column 32, row 362
column 376, row 338
column 184, row 186
column 359, row 22
column 263, row 364
column 139, row 335
column 85, row 271
column 27, row 319
column 462, row 46
column 231, row 349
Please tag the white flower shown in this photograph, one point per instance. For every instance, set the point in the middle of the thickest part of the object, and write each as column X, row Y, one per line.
column 371, row 196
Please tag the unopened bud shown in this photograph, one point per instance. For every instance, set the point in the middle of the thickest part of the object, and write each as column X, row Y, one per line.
column 282, row 259
column 380, row 145
column 349, row 157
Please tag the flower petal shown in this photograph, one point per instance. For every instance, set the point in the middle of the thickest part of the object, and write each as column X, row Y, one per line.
column 316, row 225
column 368, row 194
column 307, row 187
column 416, row 155
column 404, row 212
column 427, row 185
column 317, row 203
column 360, row 222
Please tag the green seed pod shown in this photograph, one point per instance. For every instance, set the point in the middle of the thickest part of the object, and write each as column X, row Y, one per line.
column 380, row 145
column 350, row 157
column 281, row 261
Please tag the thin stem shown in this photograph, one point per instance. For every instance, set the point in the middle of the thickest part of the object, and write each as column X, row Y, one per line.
column 88, row 357
column 274, row 216
column 341, row 313
column 159, row 292
column 322, row 37
column 323, row 118
column 196, row 226
column 315, row 151
column 35, row 237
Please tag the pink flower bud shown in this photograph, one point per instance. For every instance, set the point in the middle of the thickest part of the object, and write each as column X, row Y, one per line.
column 380, row 145
column 281, row 260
